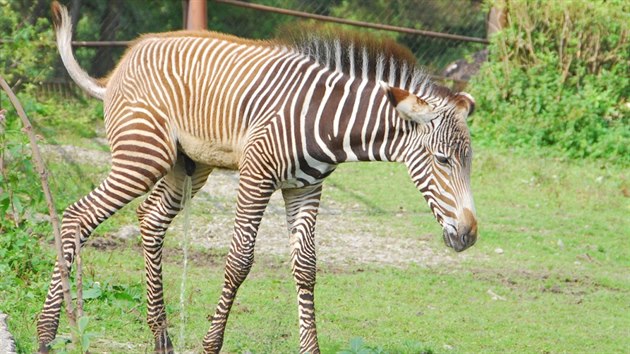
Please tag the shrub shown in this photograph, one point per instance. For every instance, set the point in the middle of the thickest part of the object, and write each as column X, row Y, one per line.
column 21, row 262
column 29, row 54
column 557, row 77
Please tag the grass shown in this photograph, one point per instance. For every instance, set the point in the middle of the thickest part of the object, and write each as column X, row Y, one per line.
column 560, row 285
column 395, row 309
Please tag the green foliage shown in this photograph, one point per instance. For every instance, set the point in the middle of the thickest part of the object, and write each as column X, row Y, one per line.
column 83, row 335
column 358, row 346
column 248, row 23
column 120, row 295
column 59, row 120
column 29, row 53
column 63, row 345
column 557, row 77
column 121, row 21
column 24, row 263
column 20, row 257
column 20, row 198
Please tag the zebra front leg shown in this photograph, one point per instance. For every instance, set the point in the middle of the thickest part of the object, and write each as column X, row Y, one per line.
column 251, row 203
column 301, row 208
column 155, row 215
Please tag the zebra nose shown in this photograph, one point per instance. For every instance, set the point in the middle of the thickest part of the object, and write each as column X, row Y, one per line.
column 465, row 235
column 462, row 239
column 469, row 238
column 468, row 231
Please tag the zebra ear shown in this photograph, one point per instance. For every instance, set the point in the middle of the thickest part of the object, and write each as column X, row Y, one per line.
column 465, row 103
column 409, row 106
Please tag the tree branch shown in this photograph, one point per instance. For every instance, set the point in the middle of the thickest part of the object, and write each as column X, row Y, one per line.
column 43, row 175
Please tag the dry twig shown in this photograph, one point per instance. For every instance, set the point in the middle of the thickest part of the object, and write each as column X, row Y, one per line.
column 43, row 175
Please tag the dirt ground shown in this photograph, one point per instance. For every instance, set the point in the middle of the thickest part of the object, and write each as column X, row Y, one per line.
column 345, row 234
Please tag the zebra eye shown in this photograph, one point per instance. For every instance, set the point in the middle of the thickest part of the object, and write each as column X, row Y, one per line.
column 443, row 159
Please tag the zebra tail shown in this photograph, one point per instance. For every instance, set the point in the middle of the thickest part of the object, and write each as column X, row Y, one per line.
column 63, row 32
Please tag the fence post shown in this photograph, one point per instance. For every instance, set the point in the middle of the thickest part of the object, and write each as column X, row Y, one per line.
column 195, row 14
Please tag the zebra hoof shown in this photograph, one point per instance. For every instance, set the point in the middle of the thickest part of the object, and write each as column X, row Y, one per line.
column 163, row 345
column 212, row 347
column 43, row 348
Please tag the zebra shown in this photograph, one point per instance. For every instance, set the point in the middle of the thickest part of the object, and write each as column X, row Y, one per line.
column 284, row 114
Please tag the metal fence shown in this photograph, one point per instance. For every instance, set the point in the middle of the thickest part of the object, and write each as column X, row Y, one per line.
column 438, row 32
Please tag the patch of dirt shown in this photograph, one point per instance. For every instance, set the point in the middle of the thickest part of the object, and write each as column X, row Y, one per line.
column 203, row 257
column 565, row 283
column 104, row 243
column 345, row 236
column 75, row 154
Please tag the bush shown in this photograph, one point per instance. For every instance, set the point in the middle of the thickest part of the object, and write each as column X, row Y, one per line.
column 29, row 54
column 557, row 77
column 21, row 261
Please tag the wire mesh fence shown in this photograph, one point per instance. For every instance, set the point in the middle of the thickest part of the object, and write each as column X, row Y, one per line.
column 438, row 32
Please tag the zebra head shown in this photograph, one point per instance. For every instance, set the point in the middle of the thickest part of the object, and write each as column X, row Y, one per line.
column 439, row 158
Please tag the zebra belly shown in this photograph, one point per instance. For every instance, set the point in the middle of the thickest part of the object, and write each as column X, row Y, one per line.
column 210, row 152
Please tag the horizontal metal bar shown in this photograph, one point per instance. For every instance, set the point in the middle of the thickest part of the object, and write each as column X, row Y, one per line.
column 84, row 43
column 101, row 43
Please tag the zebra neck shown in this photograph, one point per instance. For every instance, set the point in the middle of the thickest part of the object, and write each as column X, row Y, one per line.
column 352, row 120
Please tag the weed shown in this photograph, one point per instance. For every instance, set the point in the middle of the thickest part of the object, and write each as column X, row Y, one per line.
column 63, row 345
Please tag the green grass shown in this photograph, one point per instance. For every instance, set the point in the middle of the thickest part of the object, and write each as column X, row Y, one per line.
column 392, row 308
column 561, row 285
column 66, row 122
column 570, row 296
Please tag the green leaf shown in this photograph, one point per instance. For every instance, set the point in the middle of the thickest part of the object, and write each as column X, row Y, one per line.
column 356, row 344
column 92, row 293
column 123, row 296
column 83, row 323
column 17, row 204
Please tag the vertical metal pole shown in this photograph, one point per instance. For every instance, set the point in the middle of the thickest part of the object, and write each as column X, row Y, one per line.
column 196, row 15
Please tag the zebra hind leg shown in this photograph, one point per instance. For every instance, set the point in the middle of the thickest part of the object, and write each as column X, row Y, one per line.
column 83, row 216
column 155, row 215
column 301, row 208
column 133, row 174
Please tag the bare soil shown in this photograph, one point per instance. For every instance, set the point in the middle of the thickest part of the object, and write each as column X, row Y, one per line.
column 345, row 234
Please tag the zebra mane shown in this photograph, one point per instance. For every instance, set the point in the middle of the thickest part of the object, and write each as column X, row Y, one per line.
column 362, row 55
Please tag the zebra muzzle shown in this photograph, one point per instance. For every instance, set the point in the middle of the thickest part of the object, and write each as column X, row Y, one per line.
column 459, row 241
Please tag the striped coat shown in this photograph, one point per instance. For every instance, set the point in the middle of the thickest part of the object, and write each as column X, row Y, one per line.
column 282, row 113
